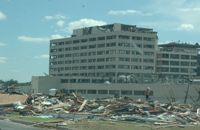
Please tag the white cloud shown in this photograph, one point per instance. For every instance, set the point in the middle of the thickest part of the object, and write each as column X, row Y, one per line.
column 33, row 39
column 60, row 23
column 38, row 40
column 84, row 23
column 2, row 44
column 2, row 16
column 190, row 9
column 43, row 56
column 48, row 17
column 56, row 36
column 3, row 60
column 164, row 42
column 128, row 12
column 55, row 17
column 178, row 11
column 186, row 27
column 15, row 71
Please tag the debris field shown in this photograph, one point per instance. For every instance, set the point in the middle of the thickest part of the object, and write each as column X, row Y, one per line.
column 74, row 107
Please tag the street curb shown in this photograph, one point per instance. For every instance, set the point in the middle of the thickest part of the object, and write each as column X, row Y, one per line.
column 33, row 124
column 16, row 121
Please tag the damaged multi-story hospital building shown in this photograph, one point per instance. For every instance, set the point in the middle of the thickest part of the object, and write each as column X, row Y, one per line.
column 117, row 59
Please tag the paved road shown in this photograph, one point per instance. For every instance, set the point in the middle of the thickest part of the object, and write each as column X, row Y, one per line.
column 7, row 125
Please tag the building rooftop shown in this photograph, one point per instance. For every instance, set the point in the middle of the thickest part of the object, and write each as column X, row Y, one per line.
column 179, row 45
column 111, row 28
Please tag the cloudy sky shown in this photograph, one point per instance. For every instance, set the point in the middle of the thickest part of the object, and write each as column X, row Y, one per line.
column 27, row 25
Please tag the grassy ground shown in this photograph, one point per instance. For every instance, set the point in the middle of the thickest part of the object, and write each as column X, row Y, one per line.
column 30, row 119
column 109, row 125
column 98, row 125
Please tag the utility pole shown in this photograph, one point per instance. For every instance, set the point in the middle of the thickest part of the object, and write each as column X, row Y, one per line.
column 186, row 95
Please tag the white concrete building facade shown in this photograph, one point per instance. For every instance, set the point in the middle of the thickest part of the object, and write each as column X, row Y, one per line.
column 112, row 53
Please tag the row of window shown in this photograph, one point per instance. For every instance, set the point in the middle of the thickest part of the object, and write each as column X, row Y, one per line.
column 103, row 38
column 177, row 56
column 103, row 52
column 110, row 59
column 112, row 44
column 102, row 75
column 111, row 92
column 91, row 74
column 107, row 52
column 83, row 40
column 133, row 45
column 182, row 70
column 136, row 67
column 177, row 63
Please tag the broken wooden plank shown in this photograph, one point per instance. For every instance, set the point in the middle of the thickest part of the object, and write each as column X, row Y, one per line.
column 82, row 106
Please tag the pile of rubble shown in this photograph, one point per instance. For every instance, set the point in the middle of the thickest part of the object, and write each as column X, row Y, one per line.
column 120, row 109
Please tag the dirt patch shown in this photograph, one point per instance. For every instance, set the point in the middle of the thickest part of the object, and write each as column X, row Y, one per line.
column 7, row 98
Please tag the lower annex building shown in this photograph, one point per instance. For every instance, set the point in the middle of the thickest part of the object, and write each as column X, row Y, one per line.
column 177, row 61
